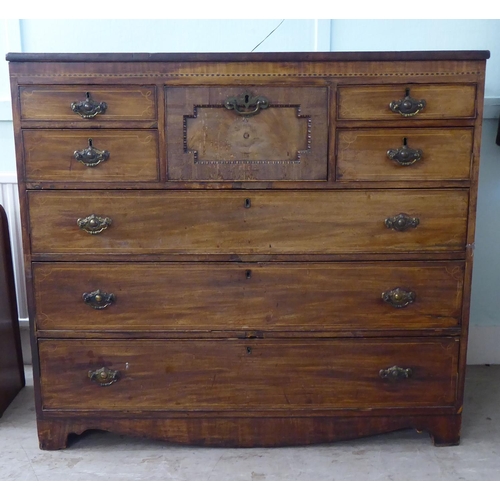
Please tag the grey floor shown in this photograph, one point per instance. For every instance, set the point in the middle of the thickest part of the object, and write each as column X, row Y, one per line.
column 399, row 456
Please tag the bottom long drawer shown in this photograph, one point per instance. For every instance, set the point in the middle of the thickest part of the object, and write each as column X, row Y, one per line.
column 251, row 375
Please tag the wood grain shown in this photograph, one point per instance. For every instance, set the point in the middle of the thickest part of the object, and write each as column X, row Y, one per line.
column 50, row 156
column 48, row 102
column 247, row 296
column 362, row 154
column 275, row 223
column 297, row 276
column 360, row 102
column 286, row 141
column 247, row 375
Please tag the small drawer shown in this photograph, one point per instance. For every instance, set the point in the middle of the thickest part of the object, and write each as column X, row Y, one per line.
column 233, row 296
column 247, row 133
column 91, row 155
column 406, row 102
column 87, row 103
column 404, row 154
column 212, row 223
column 218, row 375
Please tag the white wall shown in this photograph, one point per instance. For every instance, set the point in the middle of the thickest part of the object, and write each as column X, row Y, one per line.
column 126, row 35
column 10, row 41
column 46, row 35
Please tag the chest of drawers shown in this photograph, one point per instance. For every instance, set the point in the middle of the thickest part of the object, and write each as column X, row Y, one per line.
column 248, row 249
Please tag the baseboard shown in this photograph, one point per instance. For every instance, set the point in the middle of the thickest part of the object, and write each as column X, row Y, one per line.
column 484, row 345
column 24, row 329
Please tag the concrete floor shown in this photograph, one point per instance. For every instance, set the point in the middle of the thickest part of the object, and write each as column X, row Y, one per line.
column 399, row 456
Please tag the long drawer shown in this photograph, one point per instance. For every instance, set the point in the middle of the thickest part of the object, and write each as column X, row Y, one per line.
column 247, row 375
column 257, row 222
column 231, row 296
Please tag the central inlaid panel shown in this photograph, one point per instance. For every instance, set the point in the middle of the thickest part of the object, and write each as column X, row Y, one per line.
column 251, row 133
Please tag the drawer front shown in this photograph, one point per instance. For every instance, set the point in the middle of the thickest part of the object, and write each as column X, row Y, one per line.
column 236, row 134
column 256, row 222
column 91, row 155
column 57, row 103
column 300, row 297
column 404, row 154
column 247, row 375
column 373, row 102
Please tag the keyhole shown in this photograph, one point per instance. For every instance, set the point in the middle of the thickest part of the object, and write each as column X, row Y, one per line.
column 90, row 143
column 87, row 95
column 248, row 274
column 249, row 350
column 247, row 98
column 248, row 203
column 405, row 141
column 407, row 92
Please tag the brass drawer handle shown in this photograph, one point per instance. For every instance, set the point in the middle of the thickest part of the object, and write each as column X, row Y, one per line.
column 398, row 297
column 91, row 156
column 405, row 155
column 242, row 104
column 93, row 224
column 408, row 106
column 98, row 299
column 88, row 108
column 401, row 222
column 104, row 376
column 395, row 373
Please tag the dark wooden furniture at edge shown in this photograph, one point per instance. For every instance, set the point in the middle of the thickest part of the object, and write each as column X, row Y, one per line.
column 11, row 358
column 248, row 249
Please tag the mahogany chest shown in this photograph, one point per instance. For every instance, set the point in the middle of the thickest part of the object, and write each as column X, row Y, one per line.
column 248, row 249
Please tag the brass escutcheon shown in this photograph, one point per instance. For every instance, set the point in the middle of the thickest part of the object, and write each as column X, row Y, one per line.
column 246, row 104
column 401, row 222
column 399, row 297
column 91, row 156
column 408, row 106
column 88, row 108
column 98, row 299
column 104, row 376
column 395, row 373
column 405, row 156
column 94, row 224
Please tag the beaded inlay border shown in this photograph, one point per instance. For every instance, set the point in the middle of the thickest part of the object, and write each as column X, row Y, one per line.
column 245, row 162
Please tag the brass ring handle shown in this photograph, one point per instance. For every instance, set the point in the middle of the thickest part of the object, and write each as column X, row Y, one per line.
column 395, row 373
column 98, row 299
column 246, row 105
column 88, row 108
column 408, row 106
column 91, row 156
column 405, row 155
column 398, row 297
column 93, row 224
column 401, row 222
column 104, row 376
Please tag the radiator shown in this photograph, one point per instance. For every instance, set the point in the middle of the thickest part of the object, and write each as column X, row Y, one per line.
column 9, row 199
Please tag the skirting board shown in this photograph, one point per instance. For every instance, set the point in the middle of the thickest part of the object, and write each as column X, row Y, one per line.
column 484, row 345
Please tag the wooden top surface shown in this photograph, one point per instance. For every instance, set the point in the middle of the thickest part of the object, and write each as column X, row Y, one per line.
column 251, row 56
